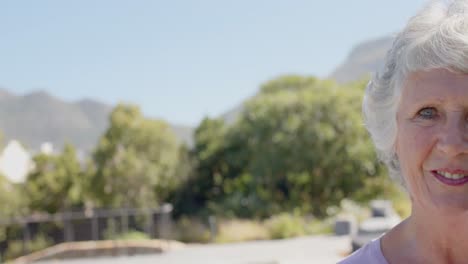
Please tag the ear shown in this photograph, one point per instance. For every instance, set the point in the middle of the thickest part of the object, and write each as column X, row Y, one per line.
column 411, row 197
column 397, row 121
column 395, row 147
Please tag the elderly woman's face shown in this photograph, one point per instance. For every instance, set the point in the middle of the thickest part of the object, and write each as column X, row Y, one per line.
column 432, row 139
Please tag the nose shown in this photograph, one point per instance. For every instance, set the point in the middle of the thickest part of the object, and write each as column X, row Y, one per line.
column 453, row 138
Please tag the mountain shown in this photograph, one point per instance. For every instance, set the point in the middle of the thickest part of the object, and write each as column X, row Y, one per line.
column 38, row 117
column 363, row 59
column 230, row 116
column 183, row 133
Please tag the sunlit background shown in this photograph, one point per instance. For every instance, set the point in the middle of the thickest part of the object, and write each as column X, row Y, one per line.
column 169, row 123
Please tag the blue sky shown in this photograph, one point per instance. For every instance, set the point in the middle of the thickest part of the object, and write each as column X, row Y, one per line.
column 181, row 60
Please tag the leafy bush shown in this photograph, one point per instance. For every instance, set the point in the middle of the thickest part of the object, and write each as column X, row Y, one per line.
column 402, row 205
column 318, row 227
column 285, row 225
column 241, row 230
column 132, row 235
column 15, row 247
column 261, row 164
column 191, row 230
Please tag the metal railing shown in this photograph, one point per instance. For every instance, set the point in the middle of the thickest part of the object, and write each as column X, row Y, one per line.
column 90, row 224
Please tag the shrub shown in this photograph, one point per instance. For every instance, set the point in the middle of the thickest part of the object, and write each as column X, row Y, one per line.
column 285, row 225
column 316, row 226
column 402, row 205
column 15, row 247
column 241, row 230
column 132, row 235
column 191, row 230
column 350, row 208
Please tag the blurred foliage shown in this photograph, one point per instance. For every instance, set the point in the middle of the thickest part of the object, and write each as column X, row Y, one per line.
column 16, row 248
column 133, row 235
column 348, row 207
column 285, row 225
column 299, row 143
column 135, row 162
column 11, row 198
column 238, row 230
column 320, row 226
column 402, row 205
column 382, row 187
column 56, row 183
column 190, row 229
column 130, row 235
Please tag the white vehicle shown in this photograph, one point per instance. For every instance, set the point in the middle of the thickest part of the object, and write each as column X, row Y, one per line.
column 383, row 219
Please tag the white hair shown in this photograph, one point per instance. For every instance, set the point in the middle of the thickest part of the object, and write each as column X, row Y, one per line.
column 437, row 37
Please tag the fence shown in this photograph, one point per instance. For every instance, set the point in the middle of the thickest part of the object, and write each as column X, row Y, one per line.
column 91, row 224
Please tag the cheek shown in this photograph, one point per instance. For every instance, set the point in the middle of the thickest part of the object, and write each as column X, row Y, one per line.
column 412, row 147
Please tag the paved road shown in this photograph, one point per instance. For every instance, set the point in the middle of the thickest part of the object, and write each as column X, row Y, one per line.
column 314, row 249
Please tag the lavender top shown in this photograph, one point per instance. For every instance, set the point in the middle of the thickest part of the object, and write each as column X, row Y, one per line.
column 370, row 253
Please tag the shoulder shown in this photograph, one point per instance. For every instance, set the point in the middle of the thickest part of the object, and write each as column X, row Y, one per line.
column 370, row 253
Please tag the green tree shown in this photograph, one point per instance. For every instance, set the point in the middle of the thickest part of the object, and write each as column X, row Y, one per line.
column 308, row 148
column 299, row 143
column 11, row 202
column 205, row 182
column 135, row 162
column 56, row 182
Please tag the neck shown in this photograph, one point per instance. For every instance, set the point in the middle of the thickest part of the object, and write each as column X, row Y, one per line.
column 439, row 236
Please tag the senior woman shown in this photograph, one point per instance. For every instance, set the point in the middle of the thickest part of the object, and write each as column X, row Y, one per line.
column 416, row 110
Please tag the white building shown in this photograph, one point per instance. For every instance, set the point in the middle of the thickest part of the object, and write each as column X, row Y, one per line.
column 47, row 148
column 15, row 162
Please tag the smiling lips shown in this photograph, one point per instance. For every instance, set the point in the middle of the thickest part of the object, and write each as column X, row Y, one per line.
column 451, row 177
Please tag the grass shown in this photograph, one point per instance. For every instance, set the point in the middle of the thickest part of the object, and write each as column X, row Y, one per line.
column 238, row 230
column 191, row 230
column 284, row 225
column 132, row 235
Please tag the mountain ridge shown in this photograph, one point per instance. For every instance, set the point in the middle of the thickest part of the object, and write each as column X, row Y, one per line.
column 37, row 111
column 32, row 118
column 363, row 59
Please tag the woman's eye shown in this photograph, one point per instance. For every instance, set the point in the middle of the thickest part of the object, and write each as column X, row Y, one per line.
column 427, row 113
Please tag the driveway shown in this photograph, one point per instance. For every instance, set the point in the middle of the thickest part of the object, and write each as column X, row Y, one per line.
column 313, row 249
